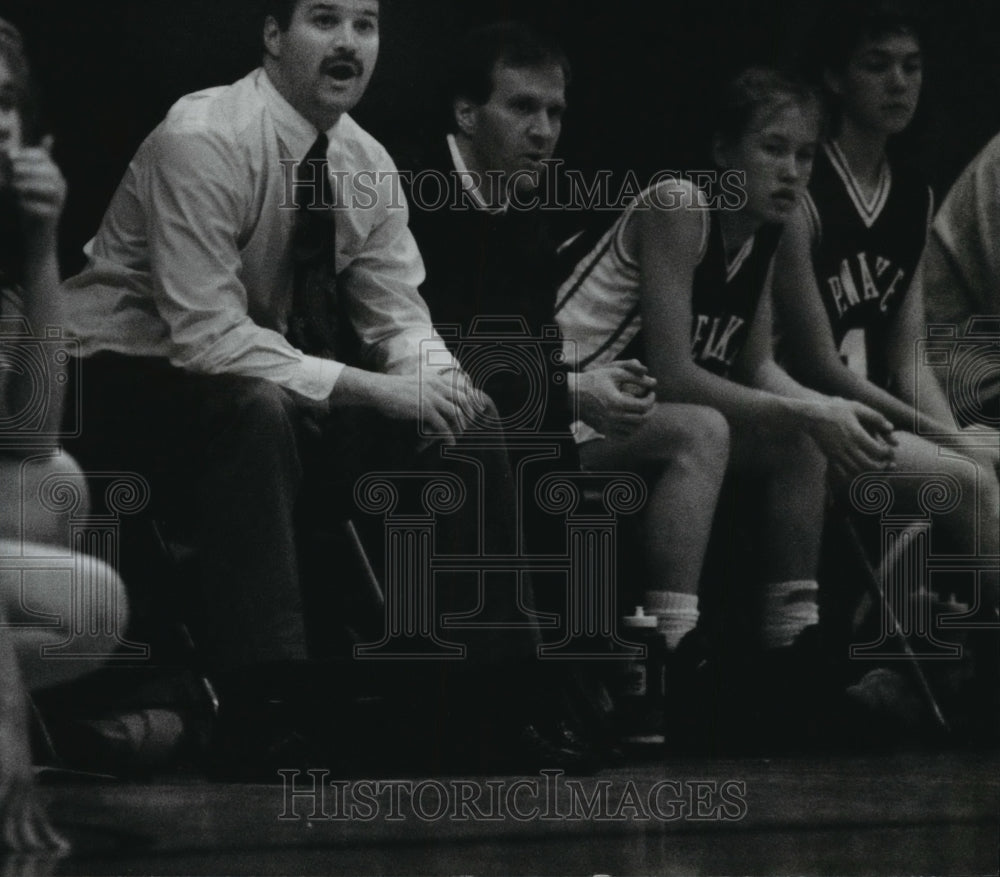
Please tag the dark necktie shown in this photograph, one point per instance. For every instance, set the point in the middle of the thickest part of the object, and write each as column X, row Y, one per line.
column 313, row 323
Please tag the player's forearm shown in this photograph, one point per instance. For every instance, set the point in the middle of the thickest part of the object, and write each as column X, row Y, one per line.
column 774, row 379
column 742, row 405
column 898, row 411
column 41, row 286
column 836, row 379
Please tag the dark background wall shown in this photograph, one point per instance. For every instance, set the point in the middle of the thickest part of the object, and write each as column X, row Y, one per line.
column 645, row 72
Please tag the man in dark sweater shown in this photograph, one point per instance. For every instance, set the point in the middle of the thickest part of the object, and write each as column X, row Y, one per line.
column 492, row 266
column 492, row 276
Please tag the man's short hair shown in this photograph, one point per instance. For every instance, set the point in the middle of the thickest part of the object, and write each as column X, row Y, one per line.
column 283, row 10
column 511, row 43
column 280, row 10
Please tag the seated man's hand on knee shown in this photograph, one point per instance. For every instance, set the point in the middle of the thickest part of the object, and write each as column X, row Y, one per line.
column 445, row 403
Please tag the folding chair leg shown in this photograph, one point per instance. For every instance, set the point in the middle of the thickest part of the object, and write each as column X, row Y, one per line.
column 371, row 580
column 43, row 736
column 873, row 580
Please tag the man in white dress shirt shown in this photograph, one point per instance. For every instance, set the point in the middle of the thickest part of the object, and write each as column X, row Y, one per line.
column 189, row 376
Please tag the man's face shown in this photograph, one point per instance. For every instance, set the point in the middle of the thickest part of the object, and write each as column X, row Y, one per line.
column 322, row 64
column 519, row 126
column 880, row 87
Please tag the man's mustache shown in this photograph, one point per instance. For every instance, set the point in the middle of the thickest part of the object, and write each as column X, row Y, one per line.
column 343, row 65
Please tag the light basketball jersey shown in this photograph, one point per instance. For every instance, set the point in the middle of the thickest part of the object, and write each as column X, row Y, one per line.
column 599, row 307
column 865, row 251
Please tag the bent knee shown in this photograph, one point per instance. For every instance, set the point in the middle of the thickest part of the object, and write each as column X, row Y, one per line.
column 41, row 493
column 692, row 435
column 709, row 431
column 704, row 432
column 258, row 402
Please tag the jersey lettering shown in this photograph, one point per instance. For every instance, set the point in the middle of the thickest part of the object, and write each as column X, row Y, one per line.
column 871, row 290
column 699, row 332
column 891, row 291
column 844, row 287
column 718, row 343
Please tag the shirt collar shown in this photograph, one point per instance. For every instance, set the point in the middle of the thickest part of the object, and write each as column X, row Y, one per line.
column 295, row 131
column 468, row 179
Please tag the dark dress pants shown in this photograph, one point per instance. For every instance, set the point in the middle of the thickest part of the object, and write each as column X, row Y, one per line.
column 240, row 463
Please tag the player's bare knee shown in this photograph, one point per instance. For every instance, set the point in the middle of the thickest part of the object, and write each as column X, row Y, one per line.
column 696, row 437
column 42, row 492
column 710, row 432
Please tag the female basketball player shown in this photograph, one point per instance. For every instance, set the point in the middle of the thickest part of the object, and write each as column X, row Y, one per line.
column 682, row 281
column 848, row 278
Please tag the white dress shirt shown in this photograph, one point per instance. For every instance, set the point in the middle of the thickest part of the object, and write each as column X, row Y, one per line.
column 193, row 260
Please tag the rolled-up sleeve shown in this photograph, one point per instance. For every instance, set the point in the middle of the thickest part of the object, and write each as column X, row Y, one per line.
column 380, row 285
column 196, row 204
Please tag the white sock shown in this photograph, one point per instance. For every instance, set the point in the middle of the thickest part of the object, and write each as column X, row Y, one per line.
column 677, row 614
column 789, row 608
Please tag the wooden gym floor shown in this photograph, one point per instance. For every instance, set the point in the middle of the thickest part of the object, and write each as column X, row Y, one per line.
column 906, row 814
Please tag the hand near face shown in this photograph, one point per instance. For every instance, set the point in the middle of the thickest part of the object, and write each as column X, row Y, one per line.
column 39, row 190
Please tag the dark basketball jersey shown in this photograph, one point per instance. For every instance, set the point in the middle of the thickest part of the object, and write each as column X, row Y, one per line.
column 726, row 295
column 865, row 252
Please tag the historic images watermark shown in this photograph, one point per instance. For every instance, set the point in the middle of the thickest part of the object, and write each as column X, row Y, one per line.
column 587, row 505
column 550, row 798
column 553, row 189
column 42, row 367
column 966, row 364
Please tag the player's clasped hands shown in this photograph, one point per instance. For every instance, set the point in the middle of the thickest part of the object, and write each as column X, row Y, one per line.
column 854, row 437
column 615, row 398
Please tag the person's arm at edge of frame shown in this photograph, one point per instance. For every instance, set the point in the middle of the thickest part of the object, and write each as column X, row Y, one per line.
column 41, row 194
column 934, row 412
